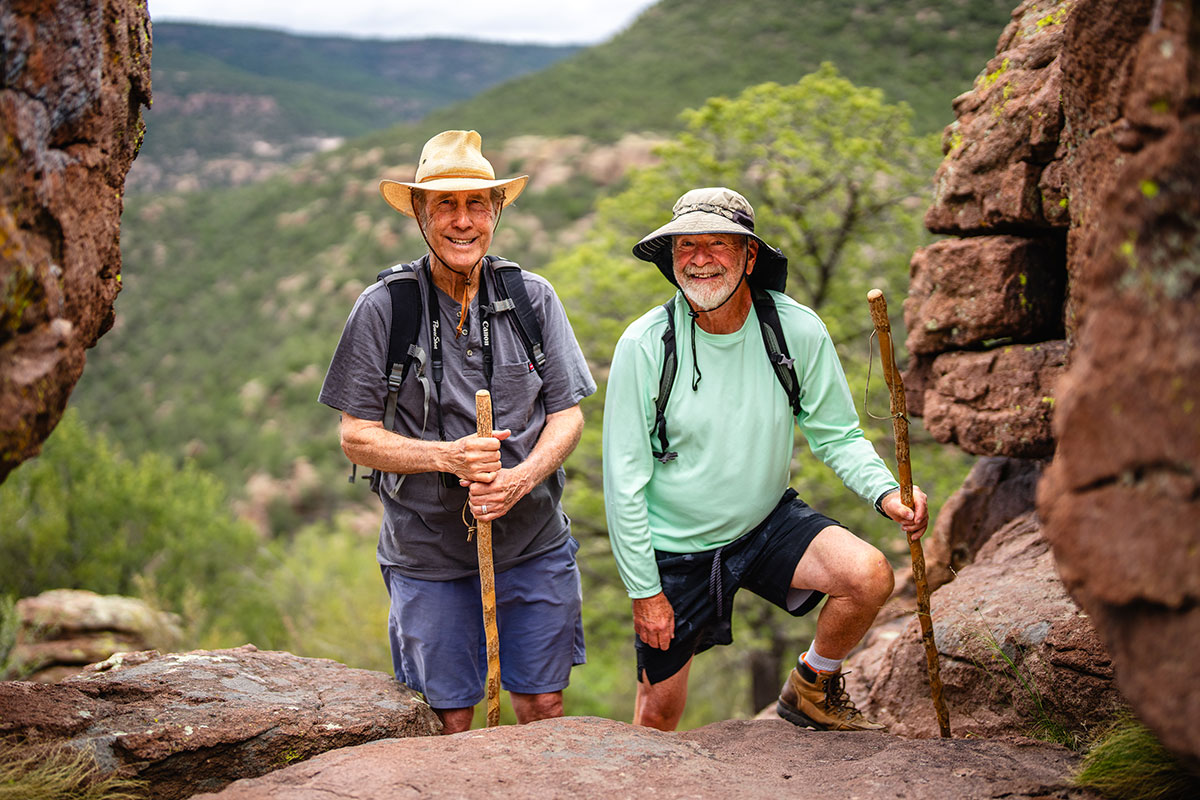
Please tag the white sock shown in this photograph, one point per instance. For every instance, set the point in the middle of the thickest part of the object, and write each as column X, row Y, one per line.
column 818, row 662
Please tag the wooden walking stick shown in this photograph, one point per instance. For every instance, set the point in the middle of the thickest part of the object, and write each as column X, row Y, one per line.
column 487, row 576
column 883, row 330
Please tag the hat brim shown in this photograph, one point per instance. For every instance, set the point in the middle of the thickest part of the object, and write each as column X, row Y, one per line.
column 770, row 266
column 398, row 194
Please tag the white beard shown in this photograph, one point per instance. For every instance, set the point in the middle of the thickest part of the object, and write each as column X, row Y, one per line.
column 706, row 298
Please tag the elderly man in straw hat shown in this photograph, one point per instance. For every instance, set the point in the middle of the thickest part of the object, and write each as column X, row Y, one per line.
column 692, row 524
column 432, row 471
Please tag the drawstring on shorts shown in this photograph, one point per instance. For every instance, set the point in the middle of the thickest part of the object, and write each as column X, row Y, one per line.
column 716, row 586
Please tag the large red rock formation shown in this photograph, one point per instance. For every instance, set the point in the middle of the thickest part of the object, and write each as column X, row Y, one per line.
column 1121, row 499
column 1017, row 654
column 984, row 312
column 72, row 85
column 1064, row 319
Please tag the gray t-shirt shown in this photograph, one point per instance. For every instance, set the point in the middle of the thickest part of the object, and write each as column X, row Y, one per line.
column 423, row 534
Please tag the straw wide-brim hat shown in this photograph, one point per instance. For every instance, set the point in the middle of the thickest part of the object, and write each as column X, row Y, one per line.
column 452, row 161
column 714, row 209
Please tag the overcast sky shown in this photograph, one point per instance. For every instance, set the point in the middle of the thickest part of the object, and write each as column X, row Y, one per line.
column 528, row 21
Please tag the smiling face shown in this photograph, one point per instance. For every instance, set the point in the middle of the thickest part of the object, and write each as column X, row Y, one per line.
column 459, row 226
column 708, row 266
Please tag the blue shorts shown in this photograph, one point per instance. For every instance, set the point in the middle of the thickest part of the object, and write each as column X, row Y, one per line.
column 701, row 586
column 437, row 637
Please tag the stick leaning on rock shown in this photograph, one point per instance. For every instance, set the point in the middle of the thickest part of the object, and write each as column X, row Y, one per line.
column 899, row 406
column 487, row 575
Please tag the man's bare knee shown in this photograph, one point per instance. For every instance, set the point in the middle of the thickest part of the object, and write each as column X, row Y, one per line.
column 874, row 579
column 455, row 720
column 840, row 564
column 532, row 707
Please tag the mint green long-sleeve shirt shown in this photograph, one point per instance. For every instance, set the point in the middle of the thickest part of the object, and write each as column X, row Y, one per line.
column 733, row 434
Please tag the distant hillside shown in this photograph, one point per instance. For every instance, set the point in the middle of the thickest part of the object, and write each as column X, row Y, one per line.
column 680, row 52
column 234, row 298
column 231, row 104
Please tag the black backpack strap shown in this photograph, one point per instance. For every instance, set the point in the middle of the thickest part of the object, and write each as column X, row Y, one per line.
column 777, row 353
column 665, row 382
column 516, row 298
column 776, row 344
column 405, row 290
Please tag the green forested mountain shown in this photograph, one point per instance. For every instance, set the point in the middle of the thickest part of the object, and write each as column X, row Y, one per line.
column 263, row 96
column 234, row 298
column 681, row 52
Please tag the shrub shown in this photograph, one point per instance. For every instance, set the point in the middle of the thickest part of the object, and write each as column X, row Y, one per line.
column 1127, row 762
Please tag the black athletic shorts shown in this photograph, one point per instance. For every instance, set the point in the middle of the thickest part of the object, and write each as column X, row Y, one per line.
column 701, row 586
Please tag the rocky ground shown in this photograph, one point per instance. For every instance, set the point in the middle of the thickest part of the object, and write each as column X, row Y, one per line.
column 591, row 757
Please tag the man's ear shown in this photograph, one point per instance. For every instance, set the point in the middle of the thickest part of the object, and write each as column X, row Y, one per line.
column 752, row 255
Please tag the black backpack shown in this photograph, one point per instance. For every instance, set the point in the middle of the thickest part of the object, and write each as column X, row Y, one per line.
column 404, row 288
column 777, row 353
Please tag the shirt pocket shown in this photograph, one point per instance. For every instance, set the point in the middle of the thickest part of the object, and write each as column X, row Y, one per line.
column 516, row 396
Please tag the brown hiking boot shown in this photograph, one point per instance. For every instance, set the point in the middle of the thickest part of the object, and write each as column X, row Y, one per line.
column 822, row 704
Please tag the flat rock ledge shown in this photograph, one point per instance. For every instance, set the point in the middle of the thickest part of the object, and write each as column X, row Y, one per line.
column 194, row 722
column 592, row 757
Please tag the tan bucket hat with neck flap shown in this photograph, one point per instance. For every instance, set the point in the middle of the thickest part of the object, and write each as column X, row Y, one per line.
column 714, row 209
column 452, row 161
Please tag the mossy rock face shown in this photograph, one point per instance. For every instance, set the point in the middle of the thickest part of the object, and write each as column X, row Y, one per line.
column 79, row 81
column 22, row 296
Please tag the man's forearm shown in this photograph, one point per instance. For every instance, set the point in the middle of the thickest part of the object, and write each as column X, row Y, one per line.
column 558, row 439
column 376, row 448
column 368, row 444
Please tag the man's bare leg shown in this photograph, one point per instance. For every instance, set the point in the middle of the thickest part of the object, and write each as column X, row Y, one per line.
column 660, row 705
column 532, row 707
column 455, row 720
column 857, row 580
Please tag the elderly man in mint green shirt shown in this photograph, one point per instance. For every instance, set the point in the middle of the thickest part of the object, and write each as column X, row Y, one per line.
column 698, row 501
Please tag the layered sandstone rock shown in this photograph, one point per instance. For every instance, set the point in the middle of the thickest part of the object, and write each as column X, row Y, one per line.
column 997, row 491
column 62, row 631
column 194, row 722
column 971, row 292
column 996, row 402
column 985, row 311
column 72, row 85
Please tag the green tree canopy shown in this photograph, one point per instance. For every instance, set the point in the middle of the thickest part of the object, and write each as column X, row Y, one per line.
column 837, row 179
column 83, row 516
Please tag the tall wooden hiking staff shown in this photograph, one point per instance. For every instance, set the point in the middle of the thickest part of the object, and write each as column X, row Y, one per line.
column 487, row 575
column 883, row 330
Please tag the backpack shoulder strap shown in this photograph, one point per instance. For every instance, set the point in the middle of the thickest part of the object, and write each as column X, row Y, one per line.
column 665, row 381
column 405, row 290
column 776, row 344
column 516, row 297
